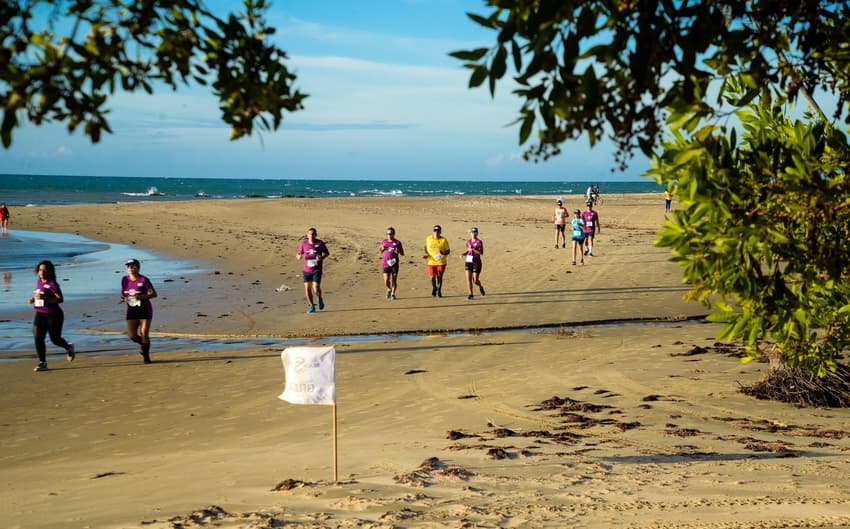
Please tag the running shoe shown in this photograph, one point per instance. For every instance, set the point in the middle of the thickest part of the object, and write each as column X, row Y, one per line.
column 393, row 296
column 321, row 304
column 470, row 297
column 311, row 309
column 389, row 293
column 573, row 263
column 72, row 352
column 42, row 366
column 439, row 292
column 434, row 292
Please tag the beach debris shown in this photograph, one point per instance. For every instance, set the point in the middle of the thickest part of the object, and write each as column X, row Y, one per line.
column 415, row 371
column 455, row 435
column 282, row 288
column 107, row 474
column 421, row 476
column 498, row 453
column 463, row 397
column 289, row 484
column 204, row 516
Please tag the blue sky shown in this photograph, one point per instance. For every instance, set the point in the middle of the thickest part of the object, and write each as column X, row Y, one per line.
column 386, row 102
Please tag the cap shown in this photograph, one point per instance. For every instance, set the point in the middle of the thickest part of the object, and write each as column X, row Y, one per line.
column 437, row 227
column 589, row 203
column 132, row 262
column 559, row 202
column 577, row 212
column 473, row 229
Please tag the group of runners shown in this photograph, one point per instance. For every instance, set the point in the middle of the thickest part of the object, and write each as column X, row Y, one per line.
column 584, row 226
column 136, row 292
column 436, row 250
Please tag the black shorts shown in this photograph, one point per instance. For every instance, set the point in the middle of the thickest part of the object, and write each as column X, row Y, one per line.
column 313, row 277
column 561, row 227
column 391, row 269
column 473, row 267
column 139, row 313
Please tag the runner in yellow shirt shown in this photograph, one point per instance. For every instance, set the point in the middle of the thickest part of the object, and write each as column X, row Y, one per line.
column 436, row 250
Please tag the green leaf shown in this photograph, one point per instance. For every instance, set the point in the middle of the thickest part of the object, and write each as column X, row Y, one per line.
column 479, row 74
column 470, row 55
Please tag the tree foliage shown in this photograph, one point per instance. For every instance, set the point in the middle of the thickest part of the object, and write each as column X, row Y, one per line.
column 763, row 228
column 613, row 68
column 705, row 88
column 62, row 60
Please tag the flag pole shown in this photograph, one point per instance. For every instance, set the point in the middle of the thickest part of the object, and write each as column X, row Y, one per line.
column 335, row 442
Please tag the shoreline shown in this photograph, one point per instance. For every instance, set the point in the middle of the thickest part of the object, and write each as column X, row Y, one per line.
column 639, row 425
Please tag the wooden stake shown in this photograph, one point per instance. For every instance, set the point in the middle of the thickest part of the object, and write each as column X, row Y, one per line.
column 335, row 443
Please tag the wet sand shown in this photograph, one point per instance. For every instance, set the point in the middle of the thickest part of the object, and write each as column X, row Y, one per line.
column 577, row 426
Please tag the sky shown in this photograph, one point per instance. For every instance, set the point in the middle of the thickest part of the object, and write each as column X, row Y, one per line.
column 385, row 102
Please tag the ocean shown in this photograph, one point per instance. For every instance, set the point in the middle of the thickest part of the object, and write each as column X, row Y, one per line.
column 42, row 190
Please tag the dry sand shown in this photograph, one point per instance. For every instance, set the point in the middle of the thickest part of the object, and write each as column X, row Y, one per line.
column 596, row 426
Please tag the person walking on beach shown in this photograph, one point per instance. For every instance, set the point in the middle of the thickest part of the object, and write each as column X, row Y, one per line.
column 49, row 316
column 436, row 251
column 472, row 262
column 668, row 199
column 578, row 236
column 137, row 292
column 591, row 227
column 314, row 251
column 391, row 250
column 4, row 218
column 560, row 219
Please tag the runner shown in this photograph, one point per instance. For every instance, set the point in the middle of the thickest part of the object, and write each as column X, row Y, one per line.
column 472, row 262
column 591, row 227
column 314, row 252
column 137, row 292
column 391, row 250
column 436, row 250
column 49, row 316
column 4, row 218
column 560, row 219
column 578, row 236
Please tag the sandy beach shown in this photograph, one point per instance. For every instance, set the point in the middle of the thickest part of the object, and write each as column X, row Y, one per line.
column 575, row 396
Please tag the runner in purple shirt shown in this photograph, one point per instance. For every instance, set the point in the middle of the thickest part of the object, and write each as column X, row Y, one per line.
column 137, row 292
column 314, row 252
column 591, row 227
column 472, row 262
column 49, row 316
column 391, row 251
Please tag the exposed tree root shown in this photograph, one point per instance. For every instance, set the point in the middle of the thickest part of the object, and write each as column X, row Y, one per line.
column 791, row 385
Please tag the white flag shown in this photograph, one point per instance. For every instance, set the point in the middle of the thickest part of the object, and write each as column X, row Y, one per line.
column 310, row 375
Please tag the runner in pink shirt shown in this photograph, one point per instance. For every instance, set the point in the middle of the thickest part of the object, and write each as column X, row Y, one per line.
column 314, row 252
column 391, row 251
column 49, row 316
column 137, row 292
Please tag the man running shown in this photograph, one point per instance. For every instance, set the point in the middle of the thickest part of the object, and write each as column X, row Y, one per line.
column 436, row 251
column 314, row 252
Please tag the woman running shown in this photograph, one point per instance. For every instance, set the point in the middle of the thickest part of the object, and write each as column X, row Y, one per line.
column 137, row 292
column 48, row 314
column 472, row 262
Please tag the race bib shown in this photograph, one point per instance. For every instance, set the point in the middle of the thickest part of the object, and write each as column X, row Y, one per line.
column 392, row 262
column 470, row 258
column 312, row 263
column 438, row 257
column 38, row 302
column 133, row 301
